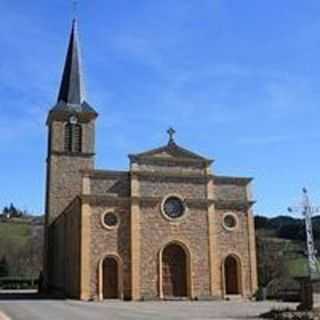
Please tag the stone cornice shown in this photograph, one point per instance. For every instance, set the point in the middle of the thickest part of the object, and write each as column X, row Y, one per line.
column 63, row 116
column 73, row 154
column 232, row 180
column 171, row 175
column 233, row 204
column 105, row 200
column 195, row 203
column 167, row 160
column 104, row 174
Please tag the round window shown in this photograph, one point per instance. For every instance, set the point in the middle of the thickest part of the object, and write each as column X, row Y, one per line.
column 110, row 220
column 174, row 207
column 230, row 221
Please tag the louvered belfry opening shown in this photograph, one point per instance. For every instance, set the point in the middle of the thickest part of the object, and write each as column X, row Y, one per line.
column 73, row 138
column 174, row 271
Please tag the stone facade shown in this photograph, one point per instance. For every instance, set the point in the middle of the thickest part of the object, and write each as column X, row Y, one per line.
column 137, row 242
column 167, row 228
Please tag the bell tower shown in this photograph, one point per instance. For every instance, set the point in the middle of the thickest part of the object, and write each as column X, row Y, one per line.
column 71, row 135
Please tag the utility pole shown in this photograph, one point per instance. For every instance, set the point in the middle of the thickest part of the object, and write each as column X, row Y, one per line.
column 313, row 264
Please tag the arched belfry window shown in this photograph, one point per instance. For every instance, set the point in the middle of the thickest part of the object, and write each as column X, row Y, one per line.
column 77, row 138
column 73, row 137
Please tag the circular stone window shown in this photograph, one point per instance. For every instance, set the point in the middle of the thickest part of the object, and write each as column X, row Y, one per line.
column 230, row 221
column 173, row 207
column 110, row 220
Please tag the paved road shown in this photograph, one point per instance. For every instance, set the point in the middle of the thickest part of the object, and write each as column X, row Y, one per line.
column 116, row 310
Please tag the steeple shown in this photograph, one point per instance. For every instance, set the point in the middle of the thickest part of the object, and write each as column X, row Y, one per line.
column 71, row 96
column 72, row 89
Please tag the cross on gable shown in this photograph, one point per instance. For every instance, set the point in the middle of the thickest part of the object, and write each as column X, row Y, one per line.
column 171, row 132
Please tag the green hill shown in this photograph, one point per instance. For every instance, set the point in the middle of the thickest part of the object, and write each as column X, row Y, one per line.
column 21, row 242
column 17, row 233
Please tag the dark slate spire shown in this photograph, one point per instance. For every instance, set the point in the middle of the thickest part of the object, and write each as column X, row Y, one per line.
column 72, row 90
column 71, row 97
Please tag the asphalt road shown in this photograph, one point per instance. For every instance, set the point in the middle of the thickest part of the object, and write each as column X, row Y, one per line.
column 116, row 310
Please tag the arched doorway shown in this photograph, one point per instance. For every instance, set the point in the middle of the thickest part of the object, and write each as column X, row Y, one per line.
column 232, row 276
column 110, row 278
column 174, row 271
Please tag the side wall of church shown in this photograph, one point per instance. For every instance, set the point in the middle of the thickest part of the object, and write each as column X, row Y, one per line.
column 157, row 232
column 110, row 242
column 64, row 259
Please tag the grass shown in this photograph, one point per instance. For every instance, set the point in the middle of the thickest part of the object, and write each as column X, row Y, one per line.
column 17, row 233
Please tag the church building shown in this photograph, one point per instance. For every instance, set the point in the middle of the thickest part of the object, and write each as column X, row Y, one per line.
column 166, row 228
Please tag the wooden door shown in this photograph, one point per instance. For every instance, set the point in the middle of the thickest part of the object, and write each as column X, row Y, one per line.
column 110, row 279
column 174, row 272
column 231, row 274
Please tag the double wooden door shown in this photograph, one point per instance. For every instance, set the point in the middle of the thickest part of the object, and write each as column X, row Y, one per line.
column 174, row 272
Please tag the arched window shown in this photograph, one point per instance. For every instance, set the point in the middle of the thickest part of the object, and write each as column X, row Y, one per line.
column 73, row 138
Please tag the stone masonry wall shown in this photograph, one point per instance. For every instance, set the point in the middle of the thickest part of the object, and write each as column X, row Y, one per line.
column 161, row 186
column 111, row 186
column 63, row 168
column 56, row 255
column 172, row 167
column 88, row 136
column 65, row 181
column 64, row 259
column 231, row 192
column 157, row 232
column 72, row 249
column 110, row 242
column 235, row 242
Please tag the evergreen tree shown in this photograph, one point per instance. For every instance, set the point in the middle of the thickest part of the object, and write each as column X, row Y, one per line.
column 13, row 211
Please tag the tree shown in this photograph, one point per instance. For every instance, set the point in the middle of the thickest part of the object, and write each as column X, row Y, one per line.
column 4, row 267
column 13, row 211
column 262, row 222
column 293, row 231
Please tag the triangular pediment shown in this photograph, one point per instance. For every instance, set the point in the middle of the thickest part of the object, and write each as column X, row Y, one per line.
column 171, row 151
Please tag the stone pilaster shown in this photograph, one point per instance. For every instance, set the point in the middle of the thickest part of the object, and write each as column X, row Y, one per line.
column 86, row 185
column 214, row 269
column 252, row 246
column 85, row 257
column 135, row 238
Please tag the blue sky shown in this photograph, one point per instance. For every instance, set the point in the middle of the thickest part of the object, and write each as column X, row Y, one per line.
column 238, row 80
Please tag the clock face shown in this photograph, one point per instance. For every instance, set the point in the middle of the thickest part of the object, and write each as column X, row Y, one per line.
column 73, row 120
column 174, row 207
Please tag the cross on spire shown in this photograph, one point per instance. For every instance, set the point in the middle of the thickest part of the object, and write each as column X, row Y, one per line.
column 171, row 132
column 75, row 8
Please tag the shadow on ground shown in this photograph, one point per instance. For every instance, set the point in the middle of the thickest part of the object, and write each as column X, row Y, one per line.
column 27, row 295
